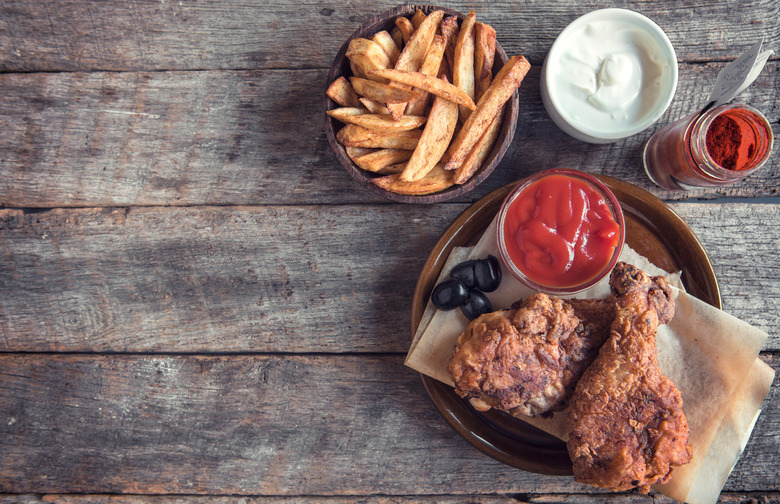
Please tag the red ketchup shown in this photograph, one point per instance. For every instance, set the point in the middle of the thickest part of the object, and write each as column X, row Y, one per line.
column 563, row 231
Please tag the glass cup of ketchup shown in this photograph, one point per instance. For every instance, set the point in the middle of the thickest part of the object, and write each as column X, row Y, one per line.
column 560, row 231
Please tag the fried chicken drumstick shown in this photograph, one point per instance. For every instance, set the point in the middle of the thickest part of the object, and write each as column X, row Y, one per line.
column 627, row 427
column 526, row 361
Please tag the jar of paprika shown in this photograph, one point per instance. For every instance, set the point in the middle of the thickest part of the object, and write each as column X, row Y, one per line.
column 723, row 145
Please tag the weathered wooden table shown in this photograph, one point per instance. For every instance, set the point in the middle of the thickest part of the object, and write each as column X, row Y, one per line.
column 198, row 304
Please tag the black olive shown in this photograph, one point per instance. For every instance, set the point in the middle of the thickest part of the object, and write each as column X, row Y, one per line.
column 487, row 274
column 465, row 273
column 478, row 304
column 449, row 294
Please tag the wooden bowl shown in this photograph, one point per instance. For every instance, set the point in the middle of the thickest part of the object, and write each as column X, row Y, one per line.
column 385, row 21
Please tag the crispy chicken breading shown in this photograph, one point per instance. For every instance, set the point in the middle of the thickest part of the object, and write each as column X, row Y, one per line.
column 526, row 361
column 627, row 427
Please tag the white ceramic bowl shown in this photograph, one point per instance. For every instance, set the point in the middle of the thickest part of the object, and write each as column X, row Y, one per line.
column 578, row 57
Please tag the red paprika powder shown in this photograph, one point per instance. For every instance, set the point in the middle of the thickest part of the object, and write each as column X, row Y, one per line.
column 715, row 147
column 731, row 141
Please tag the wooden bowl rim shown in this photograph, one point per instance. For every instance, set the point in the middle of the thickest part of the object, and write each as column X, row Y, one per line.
column 508, row 126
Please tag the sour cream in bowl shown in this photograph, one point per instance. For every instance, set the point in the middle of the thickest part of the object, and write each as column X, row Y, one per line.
column 610, row 74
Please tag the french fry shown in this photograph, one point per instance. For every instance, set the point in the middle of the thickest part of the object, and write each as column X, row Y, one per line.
column 356, row 70
column 463, row 71
column 405, row 27
column 353, row 135
column 393, row 168
column 374, row 107
column 356, row 152
column 417, row 18
column 396, row 110
column 376, row 122
column 382, row 161
column 421, row 111
column 343, row 113
column 484, row 54
column 395, row 32
column 428, row 83
column 449, row 30
column 436, row 180
column 480, row 151
column 367, row 55
column 430, row 66
column 504, row 84
column 382, row 93
column 412, row 56
column 444, row 69
column 384, row 39
column 342, row 92
column 434, row 141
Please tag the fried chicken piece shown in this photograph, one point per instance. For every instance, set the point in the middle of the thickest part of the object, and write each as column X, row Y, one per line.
column 627, row 427
column 526, row 361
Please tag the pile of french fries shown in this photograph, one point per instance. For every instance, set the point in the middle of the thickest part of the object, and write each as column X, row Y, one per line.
column 422, row 108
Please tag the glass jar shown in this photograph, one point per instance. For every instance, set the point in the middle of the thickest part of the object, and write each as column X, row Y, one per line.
column 677, row 156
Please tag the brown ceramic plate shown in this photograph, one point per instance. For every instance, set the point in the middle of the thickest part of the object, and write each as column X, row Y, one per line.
column 385, row 21
column 652, row 229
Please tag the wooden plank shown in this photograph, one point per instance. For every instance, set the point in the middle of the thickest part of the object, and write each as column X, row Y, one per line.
column 262, row 425
column 193, row 138
column 278, row 279
column 152, row 35
column 213, row 279
column 525, row 498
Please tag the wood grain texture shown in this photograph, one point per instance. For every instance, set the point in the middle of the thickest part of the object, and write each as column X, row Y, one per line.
column 341, row 68
column 227, row 138
column 213, row 279
column 84, row 35
column 198, row 304
column 261, row 425
column 278, row 279
column 522, row 498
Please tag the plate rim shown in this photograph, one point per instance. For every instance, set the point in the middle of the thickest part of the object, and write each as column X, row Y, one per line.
column 545, row 458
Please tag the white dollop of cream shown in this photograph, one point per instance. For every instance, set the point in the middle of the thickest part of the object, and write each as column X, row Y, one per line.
column 609, row 75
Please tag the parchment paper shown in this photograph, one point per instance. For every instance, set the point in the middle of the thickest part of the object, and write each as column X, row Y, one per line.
column 710, row 355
